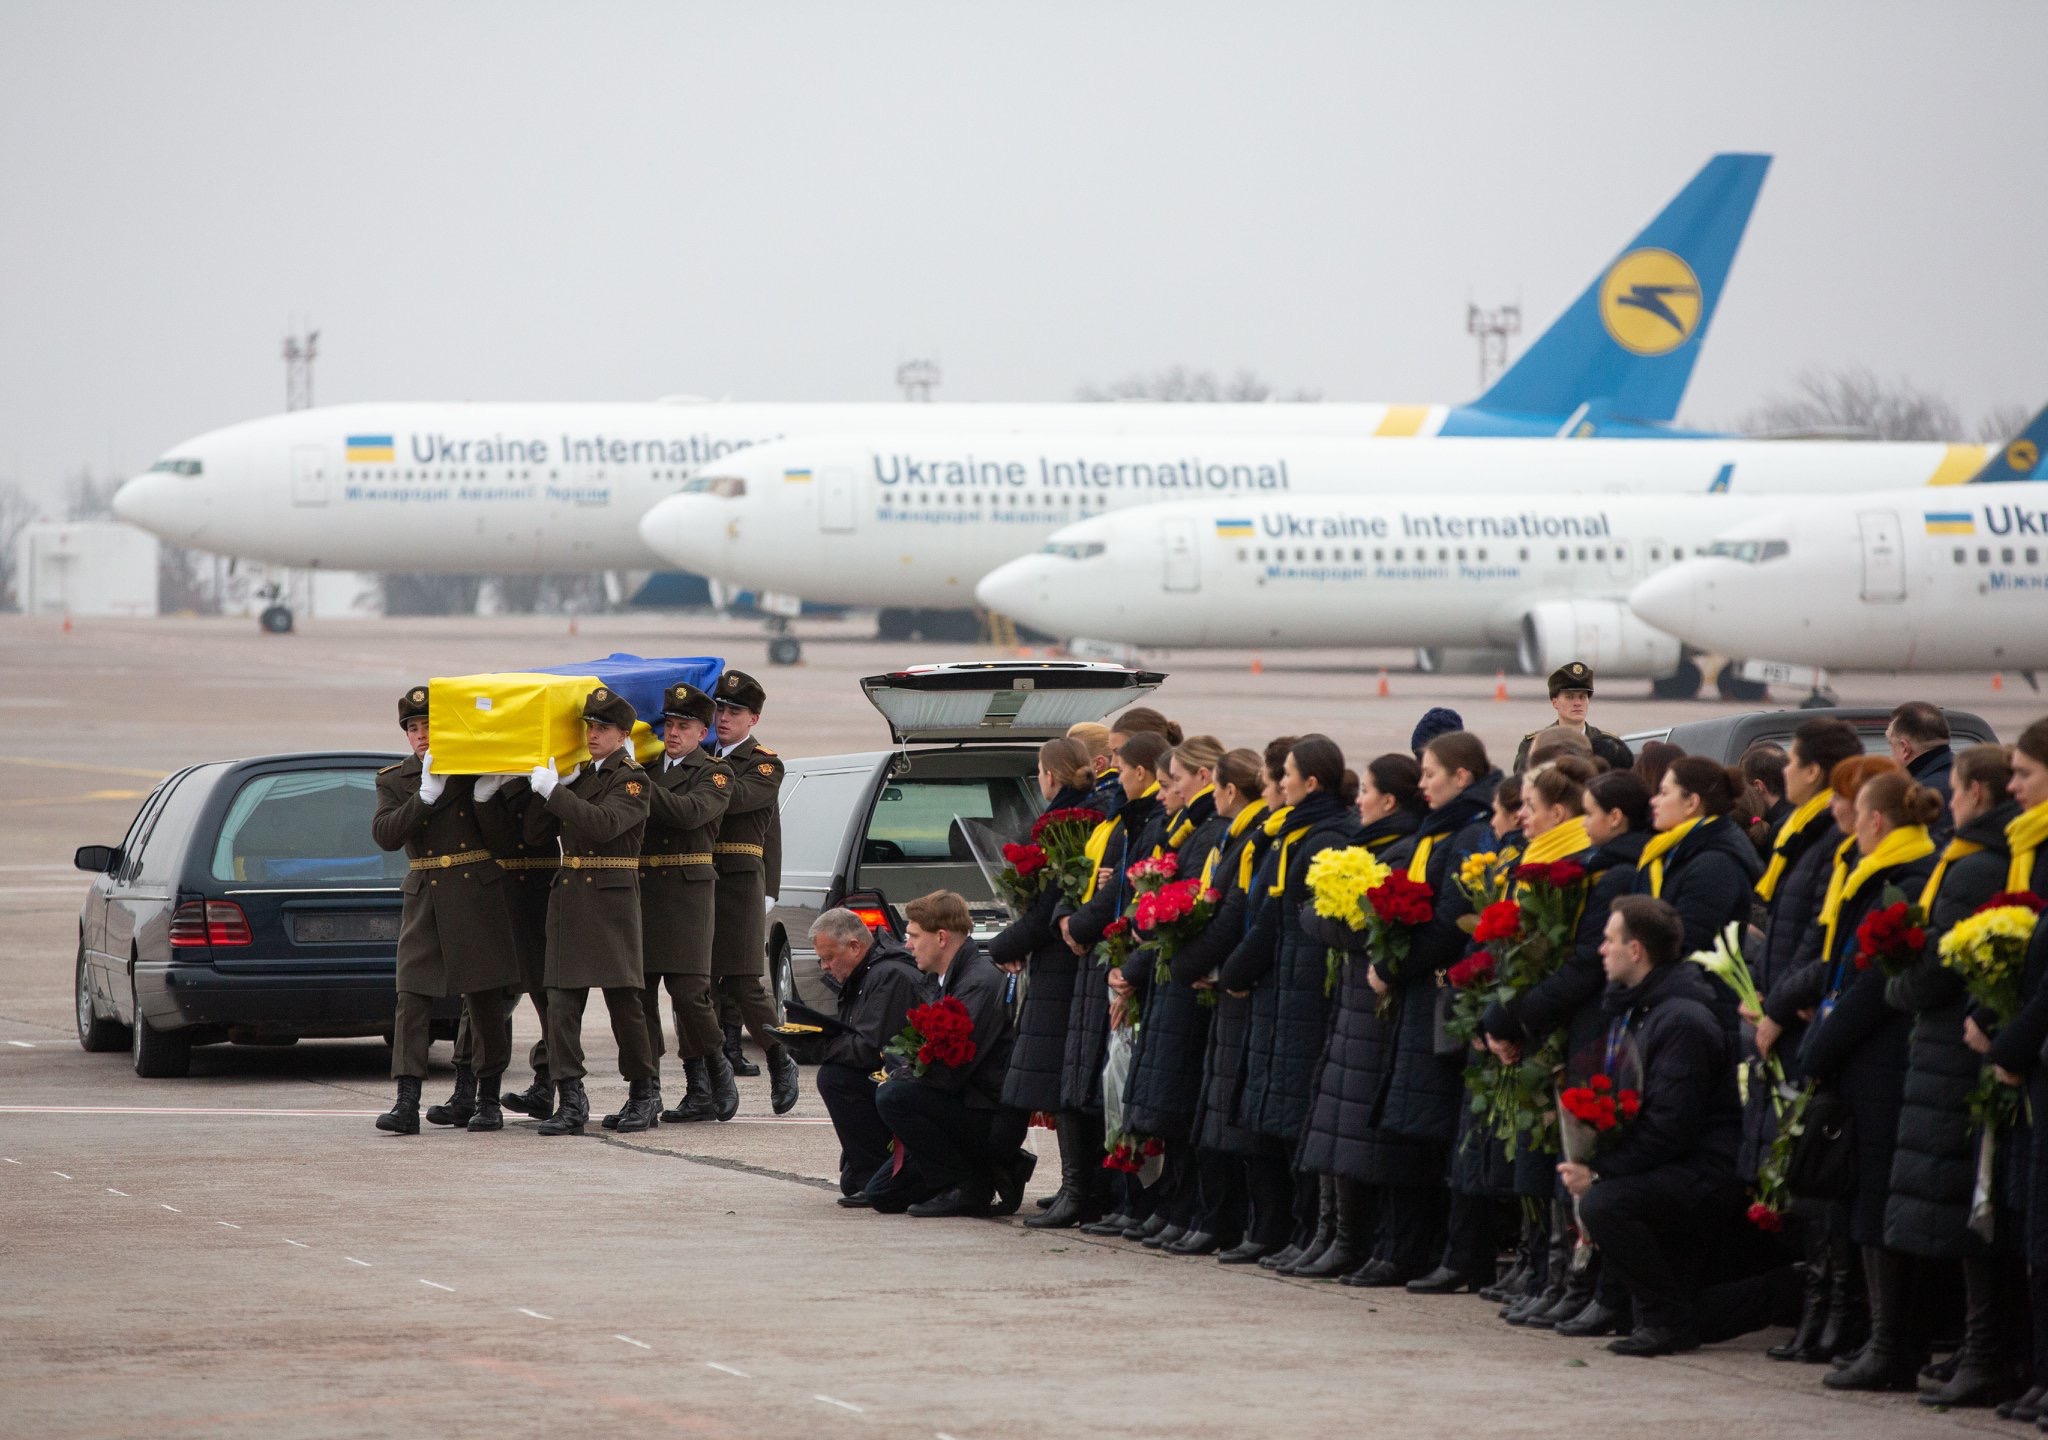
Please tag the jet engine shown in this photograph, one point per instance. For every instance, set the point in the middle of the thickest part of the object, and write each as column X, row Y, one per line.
column 1605, row 634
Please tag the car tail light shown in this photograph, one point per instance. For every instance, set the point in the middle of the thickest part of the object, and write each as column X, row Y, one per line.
column 872, row 916
column 874, row 912
column 209, row 922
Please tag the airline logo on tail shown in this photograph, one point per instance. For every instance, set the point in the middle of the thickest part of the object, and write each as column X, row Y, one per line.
column 1650, row 302
column 1951, row 522
column 2023, row 455
column 371, row 450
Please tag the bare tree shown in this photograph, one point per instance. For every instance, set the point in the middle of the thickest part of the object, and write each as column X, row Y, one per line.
column 87, row 497
column 409, row 593
column 1177, row 384
column 184, row 583
column 2002, row 422
column 16, row 511
column 1854, row 402
column 548, row 594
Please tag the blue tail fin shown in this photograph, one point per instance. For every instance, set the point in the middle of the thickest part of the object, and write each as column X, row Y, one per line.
column 1632, row 338
column 2019, row 458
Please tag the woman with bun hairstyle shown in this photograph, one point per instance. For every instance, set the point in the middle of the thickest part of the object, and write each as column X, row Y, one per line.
column 1700, row 861
column 1032, row 942
column 1857, row 1048
column 1934, row 1165
column 1337, row 1145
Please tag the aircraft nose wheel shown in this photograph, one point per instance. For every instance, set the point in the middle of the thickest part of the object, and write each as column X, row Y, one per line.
column 785, row 650
column 276, row 620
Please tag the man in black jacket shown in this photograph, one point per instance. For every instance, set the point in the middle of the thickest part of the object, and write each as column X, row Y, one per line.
column 878, row 983
column 962, row 1146
column 1918, row 734
column 1661, row 1184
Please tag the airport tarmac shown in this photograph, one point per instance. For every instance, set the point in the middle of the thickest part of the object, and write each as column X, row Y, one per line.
column 241, row 1254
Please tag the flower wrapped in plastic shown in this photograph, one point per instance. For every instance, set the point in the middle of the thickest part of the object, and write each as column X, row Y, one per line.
column 1988, row 950
column 1172, row 916
column 1063, row 835
column 1024, row 876
column 941, row 1033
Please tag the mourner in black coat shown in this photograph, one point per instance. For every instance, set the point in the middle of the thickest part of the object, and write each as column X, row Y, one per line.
column 878, row 984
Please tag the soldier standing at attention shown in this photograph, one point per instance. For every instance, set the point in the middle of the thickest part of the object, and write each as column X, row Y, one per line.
column 678, row 883
column 598, row 811
column 1571, row 696
column 749, row 855
column 530, row 869
column 454, row 937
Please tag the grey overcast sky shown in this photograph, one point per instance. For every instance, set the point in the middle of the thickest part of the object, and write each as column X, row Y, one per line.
column 781, row 201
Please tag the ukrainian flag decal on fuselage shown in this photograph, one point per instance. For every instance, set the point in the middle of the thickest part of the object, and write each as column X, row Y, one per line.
column 371, row 450
column 1234, row 529
column 1951, row 522
column 1650, row 302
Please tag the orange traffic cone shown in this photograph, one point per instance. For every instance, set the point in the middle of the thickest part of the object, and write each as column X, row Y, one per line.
column 1258, row 665
column 1500, row 684
column 1383, row 690
column 67, row 622
column 1997, row 679
column 572, row 624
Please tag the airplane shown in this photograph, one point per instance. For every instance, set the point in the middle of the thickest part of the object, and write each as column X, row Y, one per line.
column 908, row 523
column 1555, row 577
column 512, row 487
column 1902, row 582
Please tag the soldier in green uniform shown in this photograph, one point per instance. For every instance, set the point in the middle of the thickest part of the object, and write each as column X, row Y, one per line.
column 749, row 862
column 454, row 937
column 678, row 883
column 1571, row 695
column 598, row 811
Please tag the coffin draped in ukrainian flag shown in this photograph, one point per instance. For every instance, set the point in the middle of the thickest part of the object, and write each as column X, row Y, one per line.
column 507, row 723
column 642, row 680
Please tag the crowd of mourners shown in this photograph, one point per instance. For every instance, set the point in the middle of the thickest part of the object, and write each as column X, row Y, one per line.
column 1630, row 1044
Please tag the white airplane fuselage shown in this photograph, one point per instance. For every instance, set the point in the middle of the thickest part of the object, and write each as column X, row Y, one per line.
column 1948, row 580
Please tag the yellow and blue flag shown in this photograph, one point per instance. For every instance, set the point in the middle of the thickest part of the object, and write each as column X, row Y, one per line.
column 796, row 477
column 371, row 450
column 1234, row 529
column 1951, row 522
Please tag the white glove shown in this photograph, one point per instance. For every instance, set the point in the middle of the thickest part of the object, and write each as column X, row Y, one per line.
column 771, row 905
column 544, row 779
column 487, row 785
column 431, row 785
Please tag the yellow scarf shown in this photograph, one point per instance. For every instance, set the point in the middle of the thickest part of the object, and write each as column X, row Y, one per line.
column 1660, row 846
column 1796, row 822
column 1418, row 863
column 1279, row 885
column 1957, row 849
column 1178, row 832
column 1559, row 842
column 2024, row 834
column 1902, row 847
column 1098, row 846
column 1239, row 823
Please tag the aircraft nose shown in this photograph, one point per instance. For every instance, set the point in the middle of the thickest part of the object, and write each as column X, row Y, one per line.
column 1016, row 589
column 1670, row 600
column 146, row 501
column 689, row 530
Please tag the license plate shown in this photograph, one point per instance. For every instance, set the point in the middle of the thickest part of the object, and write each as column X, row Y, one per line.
column 347, row 929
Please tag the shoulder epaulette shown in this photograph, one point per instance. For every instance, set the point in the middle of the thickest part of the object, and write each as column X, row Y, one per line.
column 760, row 749
column 389, row 768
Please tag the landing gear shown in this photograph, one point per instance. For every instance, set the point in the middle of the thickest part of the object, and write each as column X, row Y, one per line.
column 1681, row 684
column 275, row 620
column 1732, row 686
column 895, row 624
column 783, row 647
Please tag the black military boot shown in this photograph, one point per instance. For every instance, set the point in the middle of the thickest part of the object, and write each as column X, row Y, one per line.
column 459, row 1106
column 537, row 1099
column 1575, row 1297
column 725, row 1090
column 1348, row 1237
column 736, row 1054
column 696, row 1103
column 403, row 1118
column 784, row 1085
column 643, row 1108
column 572, row 1111
column 1888, row 1361
column 487, row 1115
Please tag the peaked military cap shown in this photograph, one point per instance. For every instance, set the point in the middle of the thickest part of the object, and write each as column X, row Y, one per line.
column 412, row 705
column 609, row 707
column 1572, row 675
column 685, row 701
column 736, row 687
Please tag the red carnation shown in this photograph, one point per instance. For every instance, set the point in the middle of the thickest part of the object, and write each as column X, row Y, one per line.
column 1498, row 921
column 1474, row 969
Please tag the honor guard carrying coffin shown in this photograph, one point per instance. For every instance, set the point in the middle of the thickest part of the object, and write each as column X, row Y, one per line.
column 1571, row 695
column 598, row 811
column 749, row 863
column 454, row 934
column 688, row 790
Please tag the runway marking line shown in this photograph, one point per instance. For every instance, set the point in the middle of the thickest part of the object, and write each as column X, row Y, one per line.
column 112, row 1191
column 534, row 1313
column 60, row 1174
column 642, row 1344
column 23, row 1044
column 353, row 1261
column 11, row 1160
column 223, row 1222
column 726, row 1369
column 300, row 1243
column 842, row 1404
column 172, row 1208
column 438, row 1285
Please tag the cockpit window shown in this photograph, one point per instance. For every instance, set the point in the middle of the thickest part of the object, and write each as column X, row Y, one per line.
column 725, row 487
column 1750, row 552
column 171, row 466
column 1074, row 549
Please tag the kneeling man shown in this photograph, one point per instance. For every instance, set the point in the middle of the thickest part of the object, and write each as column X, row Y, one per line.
column 878, row 983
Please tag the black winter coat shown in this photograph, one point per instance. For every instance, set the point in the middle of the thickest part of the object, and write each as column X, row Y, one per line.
column 1289, row 1010
column 1934, row 1166
column 1033, row 940
column 1424, row 1093
column 1859, row 1050
column 2017, row 1046
column 1216, row 1123
column 1173, row 1028
column 974, row 980
column 1691, row 1115
column 1351, row 1082
column 873, row 1003
column 1087, row 1038
column 1790, row 944
column 1710, row 877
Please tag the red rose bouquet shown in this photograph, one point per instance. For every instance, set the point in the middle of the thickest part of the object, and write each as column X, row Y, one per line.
column 1115, row 945
column 1498, row 921
column 1147, row 876
column 941, row 1033
column 1062, row 836
column 1598, row 1105
column 1893, row 935
column 1170, row 917
column 1024, row 876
